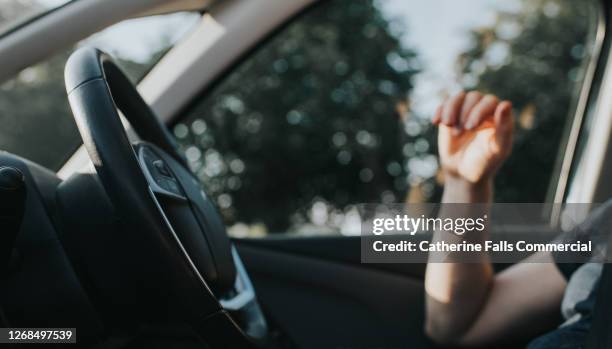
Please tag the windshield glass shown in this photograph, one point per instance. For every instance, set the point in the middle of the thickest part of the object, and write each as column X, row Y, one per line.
column 15, row 12
column 34, row 113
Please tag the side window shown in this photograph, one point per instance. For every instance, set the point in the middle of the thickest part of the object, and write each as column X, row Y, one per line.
column 34, row 113
column 334, row 110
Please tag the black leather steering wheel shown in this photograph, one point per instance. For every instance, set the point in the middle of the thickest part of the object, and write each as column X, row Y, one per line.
column 177, row 261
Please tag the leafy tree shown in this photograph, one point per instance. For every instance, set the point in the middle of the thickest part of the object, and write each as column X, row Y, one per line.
column 535, row 58
column 309, row 117
column 36, row 119
column 312, row 116
column 35, row 116
column 34, row 112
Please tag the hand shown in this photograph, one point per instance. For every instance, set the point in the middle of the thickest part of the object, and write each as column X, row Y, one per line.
column 474, row 136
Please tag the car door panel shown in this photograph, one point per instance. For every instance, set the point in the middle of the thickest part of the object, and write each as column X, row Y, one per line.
column 327, row 302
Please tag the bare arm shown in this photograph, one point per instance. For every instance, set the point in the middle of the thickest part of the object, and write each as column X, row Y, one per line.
column 522, row 302
column 467, row 304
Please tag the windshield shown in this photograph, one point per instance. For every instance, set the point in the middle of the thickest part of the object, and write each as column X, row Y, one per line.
column 34, row 113
column 15, row 12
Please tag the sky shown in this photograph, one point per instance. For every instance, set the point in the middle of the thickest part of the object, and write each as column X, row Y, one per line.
column 438, row 30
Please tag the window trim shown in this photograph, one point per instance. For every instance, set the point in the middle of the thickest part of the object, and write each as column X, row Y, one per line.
column 587, row 182
column 171, row 119
column 569, row 159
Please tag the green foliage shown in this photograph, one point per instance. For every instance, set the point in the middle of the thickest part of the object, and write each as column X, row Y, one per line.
column 310, row 116
column 320, row 114
column 539, row 74
column 35, row 116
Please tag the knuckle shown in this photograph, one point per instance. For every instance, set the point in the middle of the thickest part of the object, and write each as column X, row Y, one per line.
column 457, row 99
column 490, row 98
column 474, row 95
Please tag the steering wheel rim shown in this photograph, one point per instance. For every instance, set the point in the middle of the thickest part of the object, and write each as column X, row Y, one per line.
column 153, row 192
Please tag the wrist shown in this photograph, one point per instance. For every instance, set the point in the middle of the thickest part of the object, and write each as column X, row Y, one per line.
column 460, row 190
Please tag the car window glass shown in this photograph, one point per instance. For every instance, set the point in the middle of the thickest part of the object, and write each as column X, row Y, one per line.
column 34, row 113
column 334, row 110
column 13, row 13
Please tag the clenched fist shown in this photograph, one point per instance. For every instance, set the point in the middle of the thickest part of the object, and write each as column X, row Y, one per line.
column 474, row 136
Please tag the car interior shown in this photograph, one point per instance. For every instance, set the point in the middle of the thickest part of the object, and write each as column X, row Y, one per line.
column 187, row 173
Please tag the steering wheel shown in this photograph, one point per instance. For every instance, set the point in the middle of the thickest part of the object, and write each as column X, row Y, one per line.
column 177, row 262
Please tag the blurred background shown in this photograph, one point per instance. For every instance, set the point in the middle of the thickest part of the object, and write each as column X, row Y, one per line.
column 334, row 109
column 34, row 113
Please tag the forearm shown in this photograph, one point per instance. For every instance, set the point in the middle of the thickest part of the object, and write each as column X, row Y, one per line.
column 457, row 291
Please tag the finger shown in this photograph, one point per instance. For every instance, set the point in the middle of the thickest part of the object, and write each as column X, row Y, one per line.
column 444, row 139
column 437, row 115
column 502, row 118
column 471, row 99
column 484, row 108
column 452, row 108
column 504, row 123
